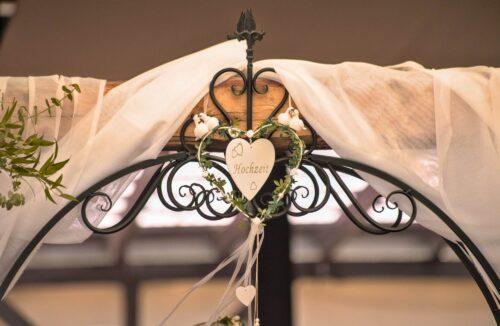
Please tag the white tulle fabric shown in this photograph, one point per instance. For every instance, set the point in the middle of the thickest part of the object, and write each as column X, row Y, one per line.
column 437, row 130
column 74, row 126
column 130, row 124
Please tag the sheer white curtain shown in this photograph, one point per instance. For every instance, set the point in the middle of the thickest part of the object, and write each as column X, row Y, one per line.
column 128, row 125
column 437, row 130
column 74, row 125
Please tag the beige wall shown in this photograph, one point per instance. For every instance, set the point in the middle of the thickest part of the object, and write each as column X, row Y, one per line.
column 400, row 301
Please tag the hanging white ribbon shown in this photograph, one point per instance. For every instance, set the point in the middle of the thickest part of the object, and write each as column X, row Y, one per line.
column 249, row 251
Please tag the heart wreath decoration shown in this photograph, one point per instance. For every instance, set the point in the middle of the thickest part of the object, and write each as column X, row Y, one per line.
column 238, row 155
column 256, row 138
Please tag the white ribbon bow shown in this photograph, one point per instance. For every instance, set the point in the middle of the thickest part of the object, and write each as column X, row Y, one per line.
column 249, row 251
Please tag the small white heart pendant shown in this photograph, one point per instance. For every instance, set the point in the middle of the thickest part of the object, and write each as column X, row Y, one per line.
column 246, row 294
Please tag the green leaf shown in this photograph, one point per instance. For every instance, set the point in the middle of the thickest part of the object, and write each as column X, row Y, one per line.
column 76, row 87
column 46, row 165
column 56, row 151
column 48, row 195
column 69, row 197
column 53, row 168
column 57, row 183
column 39, row 141
column 8, row 114
column 13, row 125
column 55, row 101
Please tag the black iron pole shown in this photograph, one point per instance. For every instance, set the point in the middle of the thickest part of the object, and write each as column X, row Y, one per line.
column 275, row 268
column 249, row 88
column 131, row 302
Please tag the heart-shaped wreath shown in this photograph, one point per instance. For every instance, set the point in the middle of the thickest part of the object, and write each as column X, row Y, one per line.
column 206, row 131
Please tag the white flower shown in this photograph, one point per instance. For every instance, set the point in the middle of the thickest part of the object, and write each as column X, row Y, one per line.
column 196, row 119
column 297, row 124
column 293, row 171
column 211, row 122
column 201, row 130
column 284, row 118
column 205, row 173
column 250, row 133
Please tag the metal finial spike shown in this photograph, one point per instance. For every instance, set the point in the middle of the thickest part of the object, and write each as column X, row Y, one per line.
column 246, row 22
column 245, row 29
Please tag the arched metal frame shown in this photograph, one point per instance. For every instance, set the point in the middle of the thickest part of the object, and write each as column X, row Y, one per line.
column 325, row 167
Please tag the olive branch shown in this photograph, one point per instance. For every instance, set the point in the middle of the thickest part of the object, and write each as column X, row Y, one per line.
column 20, row 154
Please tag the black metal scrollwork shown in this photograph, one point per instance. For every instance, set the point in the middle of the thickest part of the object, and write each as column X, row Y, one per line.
column 206, row 201
column 196, row 196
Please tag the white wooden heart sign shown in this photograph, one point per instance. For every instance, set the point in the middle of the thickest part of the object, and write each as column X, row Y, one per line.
column 246, row 294
column 250, row 164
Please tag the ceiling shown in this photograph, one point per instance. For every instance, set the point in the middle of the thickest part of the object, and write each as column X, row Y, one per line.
column 119, row 39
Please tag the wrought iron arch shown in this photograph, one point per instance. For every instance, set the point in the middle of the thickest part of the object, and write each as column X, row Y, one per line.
column 202, row 198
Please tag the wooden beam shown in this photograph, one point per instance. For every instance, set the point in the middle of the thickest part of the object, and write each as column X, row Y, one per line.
column 180, row 271
column 263, row 105
column 399, row 123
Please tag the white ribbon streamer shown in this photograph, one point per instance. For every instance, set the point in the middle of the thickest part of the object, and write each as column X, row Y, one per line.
column 249, row 251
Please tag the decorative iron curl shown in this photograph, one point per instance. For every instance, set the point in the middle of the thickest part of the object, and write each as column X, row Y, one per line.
column 235, row 91
column 304, row 192
column 217, row 103
column 393, row 205
column 200, row 198
column 262, row 200
column 129, row 216
column 102, row 207
column 360, row 216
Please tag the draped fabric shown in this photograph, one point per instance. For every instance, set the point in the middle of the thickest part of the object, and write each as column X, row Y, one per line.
column 130, row 124
column 437, row 130
column 73, row 125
